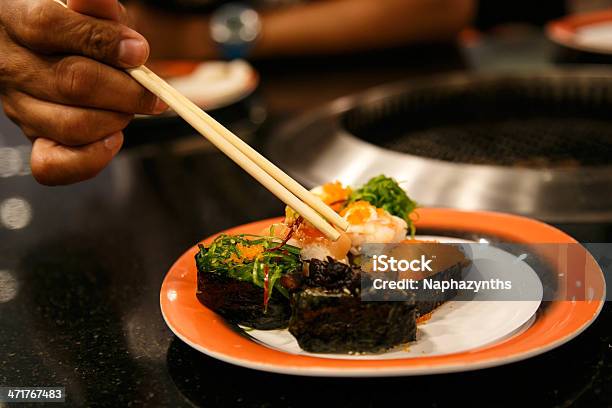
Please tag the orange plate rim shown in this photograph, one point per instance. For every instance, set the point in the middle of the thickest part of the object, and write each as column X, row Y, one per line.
column 563, row 31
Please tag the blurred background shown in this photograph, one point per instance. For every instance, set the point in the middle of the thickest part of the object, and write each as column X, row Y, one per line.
column 474, row 105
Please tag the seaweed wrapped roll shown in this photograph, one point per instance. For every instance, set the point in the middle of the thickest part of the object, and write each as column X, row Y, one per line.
column 329, row 317
column 239, row 278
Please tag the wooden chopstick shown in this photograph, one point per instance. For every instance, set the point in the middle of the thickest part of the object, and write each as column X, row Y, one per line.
column 312, row 208
column 289, row 183
column 205, row 125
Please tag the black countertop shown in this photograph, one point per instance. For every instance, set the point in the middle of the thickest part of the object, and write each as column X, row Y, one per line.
column 81, row 268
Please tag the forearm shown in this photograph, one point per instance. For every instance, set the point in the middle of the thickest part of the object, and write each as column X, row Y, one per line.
column 322, row 27
column 327, row 27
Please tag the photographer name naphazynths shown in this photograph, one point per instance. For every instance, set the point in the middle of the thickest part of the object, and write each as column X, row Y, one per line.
column 441, row 285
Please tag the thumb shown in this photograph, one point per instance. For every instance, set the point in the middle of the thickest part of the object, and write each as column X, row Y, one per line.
column 107, row 9
column 111, row 42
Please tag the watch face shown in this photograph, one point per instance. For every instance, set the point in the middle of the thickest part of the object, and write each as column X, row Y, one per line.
column 235, row 24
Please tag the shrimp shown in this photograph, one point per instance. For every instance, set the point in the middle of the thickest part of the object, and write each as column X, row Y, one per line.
column 369, row 224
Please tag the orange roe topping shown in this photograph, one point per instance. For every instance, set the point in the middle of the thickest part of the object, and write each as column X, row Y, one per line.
column 248, row 252
column 307, row 233
column 335, row 194
column 358, row 212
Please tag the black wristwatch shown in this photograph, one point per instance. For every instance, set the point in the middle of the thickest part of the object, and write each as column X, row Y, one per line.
column 235, row 28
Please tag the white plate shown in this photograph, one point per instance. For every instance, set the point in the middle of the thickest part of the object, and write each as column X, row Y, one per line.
column 596, row 36
column 588, row 32
column 457, row 325
column 214, row 84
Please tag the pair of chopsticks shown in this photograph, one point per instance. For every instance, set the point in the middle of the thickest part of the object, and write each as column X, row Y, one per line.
column 289, row 191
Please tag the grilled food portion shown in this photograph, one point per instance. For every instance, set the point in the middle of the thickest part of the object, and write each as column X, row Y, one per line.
column 449, row 265
column 328, row 315
column 239, row 278
column 446, row 263
column 429, row 300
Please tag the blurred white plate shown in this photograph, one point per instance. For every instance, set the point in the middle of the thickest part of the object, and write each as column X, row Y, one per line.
column 211, row 84
column 589, row 32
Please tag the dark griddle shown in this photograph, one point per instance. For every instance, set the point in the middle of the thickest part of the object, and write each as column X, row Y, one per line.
column 557, row 122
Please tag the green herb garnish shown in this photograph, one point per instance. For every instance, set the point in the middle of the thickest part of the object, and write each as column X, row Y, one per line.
column 250, row 258
column 384, row 192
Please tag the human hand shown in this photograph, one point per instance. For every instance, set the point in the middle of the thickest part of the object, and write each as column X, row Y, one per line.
column 61, row 81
